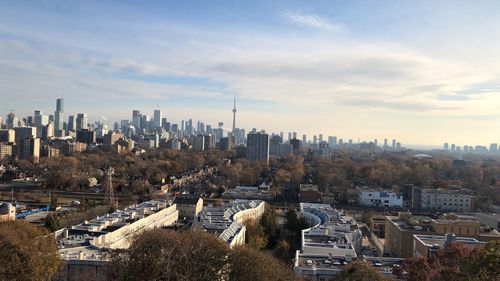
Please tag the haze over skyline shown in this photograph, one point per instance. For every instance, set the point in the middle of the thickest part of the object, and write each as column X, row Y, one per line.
column 424, row 73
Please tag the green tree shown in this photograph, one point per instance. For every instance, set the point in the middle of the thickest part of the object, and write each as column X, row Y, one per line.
column 27, row 253
column 52, row 222
column 268, row 222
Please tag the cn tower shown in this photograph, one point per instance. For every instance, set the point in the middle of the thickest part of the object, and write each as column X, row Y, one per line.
column 234, row 115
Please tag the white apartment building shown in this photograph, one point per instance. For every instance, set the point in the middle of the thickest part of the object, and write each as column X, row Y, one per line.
column 379, row 198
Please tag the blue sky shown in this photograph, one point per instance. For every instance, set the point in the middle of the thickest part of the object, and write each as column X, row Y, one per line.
column 419, row 71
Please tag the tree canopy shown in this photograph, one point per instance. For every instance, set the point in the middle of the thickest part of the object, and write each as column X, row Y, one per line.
column 27, row 253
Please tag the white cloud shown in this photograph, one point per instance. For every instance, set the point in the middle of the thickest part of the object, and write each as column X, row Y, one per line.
column 311, row 21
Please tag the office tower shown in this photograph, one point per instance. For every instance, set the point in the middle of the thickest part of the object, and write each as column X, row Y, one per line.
column 47, row 132
column 350, row 142
column 145, row 122
column 304, row 138
column 320, row 138
column 1, row 121
column 116, row 127
column 258, row 147
column 493, row 148
column 164, row 123
column 225, row 144
column 22, row 133
column 234, row 116
column 182, row 125
column 332, row 141
column 221, row 124
column 28, row 149
column 466, row 148
column 71, row 123
column 452, row 147
column 202, row 127
column 175, row 128
column 393, row 144
column 296, row 145
column 136, row 119
column 11, row 120
column 7, row 135
column 294, row 135
column 341, row 142
column 59, row 115
column 375, row 142
column 209, row 129
column 315, row 139
column 289, row 136
column 445, row 146
column 199, row 143
column 385, row 143
column 81, row 122
column 210, row 141
column 398, row 146
column 40, row 120
column 157, row 116
column 189, row 127
column 85, row 136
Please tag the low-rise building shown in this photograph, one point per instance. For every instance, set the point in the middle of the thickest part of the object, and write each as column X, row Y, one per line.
column 399, row 231
column 6, row 150
column 188, row 207
column 376, row 197
column 248, row 192
column 227, row 220
column 456, row 200
column 331, row 243
column 85, row 247
column 309, row 193
column 428, row 245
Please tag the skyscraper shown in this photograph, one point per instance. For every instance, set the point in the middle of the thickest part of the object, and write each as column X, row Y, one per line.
column 234, row 115
column 136, row 119
column 157, row 115
column 81, row 122
column 59, row 115
column 71, row 123
column 258, row 147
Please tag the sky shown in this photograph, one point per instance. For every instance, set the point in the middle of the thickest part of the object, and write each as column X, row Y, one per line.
column 423, row 72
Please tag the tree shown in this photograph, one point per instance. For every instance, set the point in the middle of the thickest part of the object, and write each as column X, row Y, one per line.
column 283, row 251
column 248, row 264
column 27, row 253
column 455, row 262
column 254, row 235
column 52, row 222
column 359, row 270
column 167, row 255
column 483, row 264
column 268, row 222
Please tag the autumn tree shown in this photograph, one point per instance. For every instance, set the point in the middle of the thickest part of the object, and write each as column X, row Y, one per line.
column 248, row 264
column 254, row 234
column 27, row 253
column 168, row 255
column 359, row 270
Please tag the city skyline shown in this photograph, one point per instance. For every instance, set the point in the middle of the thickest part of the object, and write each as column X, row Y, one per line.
column 81, row 120
column 358, row 70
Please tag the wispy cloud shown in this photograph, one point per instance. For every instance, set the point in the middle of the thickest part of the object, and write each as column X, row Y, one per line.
column 311, row 21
